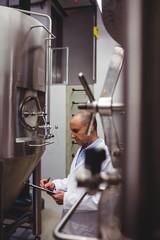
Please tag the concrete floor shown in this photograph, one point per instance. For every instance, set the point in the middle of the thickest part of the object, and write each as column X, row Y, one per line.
column 51, row 215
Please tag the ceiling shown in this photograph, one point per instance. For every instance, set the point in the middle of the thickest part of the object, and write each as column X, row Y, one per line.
column 74, row 3
column 63, row 5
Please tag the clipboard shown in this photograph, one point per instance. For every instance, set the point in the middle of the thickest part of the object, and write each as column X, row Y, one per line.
column 40, row 188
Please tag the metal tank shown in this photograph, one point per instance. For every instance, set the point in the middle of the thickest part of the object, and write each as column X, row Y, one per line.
column 24, row 65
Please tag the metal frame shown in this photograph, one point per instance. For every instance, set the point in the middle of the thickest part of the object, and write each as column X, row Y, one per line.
column 1, row 200
column 62, row 236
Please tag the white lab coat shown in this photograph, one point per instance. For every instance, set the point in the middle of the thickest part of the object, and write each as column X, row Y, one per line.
column 83, row 222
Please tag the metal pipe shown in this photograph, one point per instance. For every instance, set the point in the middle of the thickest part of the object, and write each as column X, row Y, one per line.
column 1, row 200
column 45, row 29
column 133, row 147
column 40, row 145
column 73, row 102
column 94, row 40
column 62, row 236
column 86, row 87
column 104, row 106
column 77, row 90
column 37, row 202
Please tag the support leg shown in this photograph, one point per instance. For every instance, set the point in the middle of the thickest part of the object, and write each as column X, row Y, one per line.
column 1, row 201
column 37, row 202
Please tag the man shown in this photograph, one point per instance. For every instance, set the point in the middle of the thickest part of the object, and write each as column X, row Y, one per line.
column 83, row 221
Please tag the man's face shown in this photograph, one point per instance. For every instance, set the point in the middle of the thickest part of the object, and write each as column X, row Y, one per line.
column 79, row 132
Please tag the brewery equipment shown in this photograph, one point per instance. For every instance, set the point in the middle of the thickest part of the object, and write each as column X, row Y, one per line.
column 24, row 123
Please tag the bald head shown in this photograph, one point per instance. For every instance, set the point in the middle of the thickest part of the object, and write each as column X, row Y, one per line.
column 84, row 116
column 78, row 126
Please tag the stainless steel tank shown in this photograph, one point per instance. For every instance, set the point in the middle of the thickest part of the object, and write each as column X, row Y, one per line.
column 22, row 101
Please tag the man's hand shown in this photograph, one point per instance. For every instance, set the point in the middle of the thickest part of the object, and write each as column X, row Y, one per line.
column 44, row 183
column 58, row 197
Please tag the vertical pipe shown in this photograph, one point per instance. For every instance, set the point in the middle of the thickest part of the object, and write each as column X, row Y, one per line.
column 141, row 171
column 67, row 64
column 1, row 200
column 133, row 66
column 37, row 202
column 94, row 42
column 149, row 218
